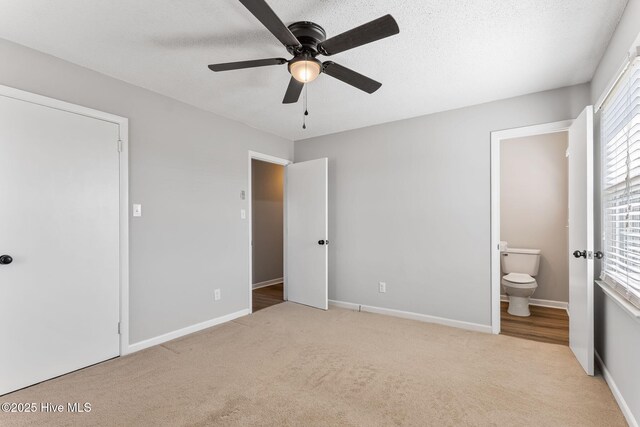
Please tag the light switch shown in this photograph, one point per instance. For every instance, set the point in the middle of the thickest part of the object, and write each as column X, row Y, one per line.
column 137, row 210
column 243, row 214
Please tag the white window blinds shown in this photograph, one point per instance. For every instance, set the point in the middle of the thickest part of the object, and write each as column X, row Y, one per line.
column 620, row 141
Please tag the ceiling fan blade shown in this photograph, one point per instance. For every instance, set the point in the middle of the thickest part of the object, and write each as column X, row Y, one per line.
column 293, row 92
column 350, row 77
column 375, row 30
column 269, row 19
column 227, row 66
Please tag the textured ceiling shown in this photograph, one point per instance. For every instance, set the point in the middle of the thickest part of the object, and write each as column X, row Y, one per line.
column 448, row 54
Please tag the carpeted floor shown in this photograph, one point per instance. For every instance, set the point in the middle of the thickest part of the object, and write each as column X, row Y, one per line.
column 297, row 366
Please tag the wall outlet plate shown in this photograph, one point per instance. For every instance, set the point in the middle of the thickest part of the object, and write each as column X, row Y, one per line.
column 216, row 295
column 382, row 287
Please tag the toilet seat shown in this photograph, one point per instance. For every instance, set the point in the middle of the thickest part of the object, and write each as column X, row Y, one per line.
column 519, row 280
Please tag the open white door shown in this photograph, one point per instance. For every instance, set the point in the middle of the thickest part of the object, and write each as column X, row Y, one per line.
column 307, row 233
column 581, row 239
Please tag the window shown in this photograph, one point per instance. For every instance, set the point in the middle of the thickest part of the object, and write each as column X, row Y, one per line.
column 620, row 141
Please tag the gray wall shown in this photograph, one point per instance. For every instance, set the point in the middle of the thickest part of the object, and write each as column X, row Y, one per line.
column 187, row 168
column 267, row 195
column 622, row 39
column 617, row 334
column 534, row 206
column 409, row 204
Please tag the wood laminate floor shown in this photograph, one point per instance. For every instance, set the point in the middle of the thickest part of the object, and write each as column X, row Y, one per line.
column 267, row 296
column 545, row 324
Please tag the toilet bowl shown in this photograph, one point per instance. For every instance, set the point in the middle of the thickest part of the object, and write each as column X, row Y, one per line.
column 519, row 287
column 519, row 266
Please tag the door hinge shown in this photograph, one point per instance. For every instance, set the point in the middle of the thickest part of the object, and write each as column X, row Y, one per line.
column 118, row 328
column 119, row 146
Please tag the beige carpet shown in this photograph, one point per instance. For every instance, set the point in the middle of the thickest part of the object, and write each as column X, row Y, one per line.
column 296, row 366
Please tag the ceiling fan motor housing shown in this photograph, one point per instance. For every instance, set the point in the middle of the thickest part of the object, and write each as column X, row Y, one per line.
column 309, row 34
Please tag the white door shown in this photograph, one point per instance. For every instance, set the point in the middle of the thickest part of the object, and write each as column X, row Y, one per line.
column 59, row 208
column 307, row 233
column 581, row 239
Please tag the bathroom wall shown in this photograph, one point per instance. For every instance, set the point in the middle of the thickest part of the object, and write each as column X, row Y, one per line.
column 533, row 206
column 267, row 188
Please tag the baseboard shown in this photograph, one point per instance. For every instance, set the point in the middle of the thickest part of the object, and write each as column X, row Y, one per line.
column 267, row 283
column 141, row 345
column 342, row 304
column 542, row 302
column 628, row 415
column 413, row 316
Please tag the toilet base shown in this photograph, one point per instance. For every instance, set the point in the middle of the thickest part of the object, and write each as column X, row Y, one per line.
column 519, row 306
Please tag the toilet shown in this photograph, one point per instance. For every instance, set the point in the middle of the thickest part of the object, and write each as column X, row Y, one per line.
column 519, row 267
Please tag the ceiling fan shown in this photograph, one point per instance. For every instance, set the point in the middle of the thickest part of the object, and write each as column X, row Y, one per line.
column 305, row 41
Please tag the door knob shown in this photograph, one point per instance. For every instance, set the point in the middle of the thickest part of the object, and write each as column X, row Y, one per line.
column 323, row 242
column 580, row 254
column 598, row 255
column 6, row 259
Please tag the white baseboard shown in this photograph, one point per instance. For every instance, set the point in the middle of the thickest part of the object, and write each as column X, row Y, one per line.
column 628, row 415
column 267, row 283
column 542, row 302
column 141, row 345
column 347, row 305
column 413, row 316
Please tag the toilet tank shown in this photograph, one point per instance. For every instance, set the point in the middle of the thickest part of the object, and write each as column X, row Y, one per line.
column 525, row 261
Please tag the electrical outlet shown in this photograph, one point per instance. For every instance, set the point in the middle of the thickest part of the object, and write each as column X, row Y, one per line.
column 382, row 287
column 216, row 295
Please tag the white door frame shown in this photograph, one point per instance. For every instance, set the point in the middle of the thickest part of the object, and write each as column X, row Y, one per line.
column 123, row 135
column 496, row 139
column 254, row 155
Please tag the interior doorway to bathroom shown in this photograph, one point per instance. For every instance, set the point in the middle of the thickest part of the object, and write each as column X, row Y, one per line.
column 533, row 233
column 580, row 252
column 267, row 234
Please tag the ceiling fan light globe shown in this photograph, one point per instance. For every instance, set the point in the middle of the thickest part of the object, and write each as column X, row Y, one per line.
column 305, row 70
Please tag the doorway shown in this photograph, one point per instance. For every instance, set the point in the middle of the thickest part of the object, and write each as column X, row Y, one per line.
column 580, row 248
column 305, row 230
column 531, row 140
column 534, row 237
column 267, row 231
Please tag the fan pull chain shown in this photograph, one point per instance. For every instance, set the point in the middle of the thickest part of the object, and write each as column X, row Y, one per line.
column 306, row 111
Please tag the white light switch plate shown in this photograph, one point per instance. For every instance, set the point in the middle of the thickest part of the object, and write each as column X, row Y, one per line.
column 243, row 214
column 137, row 210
